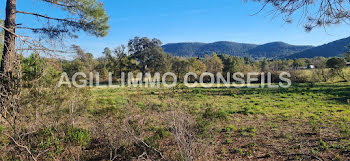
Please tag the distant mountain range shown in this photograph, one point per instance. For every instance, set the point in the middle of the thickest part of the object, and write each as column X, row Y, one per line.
column 271, row 50
column 201, row 49
column 332, row 49
column 276, row 50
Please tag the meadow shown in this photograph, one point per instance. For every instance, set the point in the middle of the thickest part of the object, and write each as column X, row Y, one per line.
column 307, row 121
column 42, row 120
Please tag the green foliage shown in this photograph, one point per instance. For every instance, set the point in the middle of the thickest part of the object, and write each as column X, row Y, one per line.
column 264, row 65
column 275, row 50
column 323, row 145
column 47, row 138
column 91, row 18
column 229, row 141
column 269, row 50
column 159, row 133
column 229, row 128
column 36, row 69
column 347, row 57
column 32, row 67
column 237, row 150
column 233, row 64
column 214, row 64
column 180, row 66
column 83, row 62
column 336, row 63
column 77, row 136
column 56, row 140
column 246, row 110
column 344, row 131
column 122, row 61
column 146, row 56
column 212, row 114
column 196, row 66
column 332, row 49
column 267, row 155
column 203, row 126
column 299, row 63
column 248, row 131
column 148, row 53
column 282, row 108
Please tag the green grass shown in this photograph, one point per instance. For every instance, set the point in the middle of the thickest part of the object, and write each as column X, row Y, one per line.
column 328, row 102
column 228, row 117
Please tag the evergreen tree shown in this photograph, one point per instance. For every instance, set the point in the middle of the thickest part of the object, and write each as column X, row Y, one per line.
column 84, row 15
column 320, row 13
column 233, row 64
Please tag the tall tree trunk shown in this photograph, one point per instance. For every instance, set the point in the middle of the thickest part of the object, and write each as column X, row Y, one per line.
column 143, row 70
column 9, row 52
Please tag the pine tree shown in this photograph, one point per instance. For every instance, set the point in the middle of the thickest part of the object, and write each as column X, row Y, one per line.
column 85, row 15
column 319, row 13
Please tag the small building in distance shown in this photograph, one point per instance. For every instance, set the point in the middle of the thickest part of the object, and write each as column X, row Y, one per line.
column 310, row 66
column 348, row 64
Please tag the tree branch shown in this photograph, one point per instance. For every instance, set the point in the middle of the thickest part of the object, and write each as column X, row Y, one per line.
column 47, row 17
column 58, row 4
column 22, row 146
column 44, row 49
column 43, row 29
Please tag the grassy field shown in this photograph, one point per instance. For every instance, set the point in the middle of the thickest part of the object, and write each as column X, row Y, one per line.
column 305, row 121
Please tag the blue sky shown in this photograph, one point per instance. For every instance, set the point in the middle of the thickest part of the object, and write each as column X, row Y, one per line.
column 188, row 21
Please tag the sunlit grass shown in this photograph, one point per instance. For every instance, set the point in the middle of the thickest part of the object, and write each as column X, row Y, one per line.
column 228, row 116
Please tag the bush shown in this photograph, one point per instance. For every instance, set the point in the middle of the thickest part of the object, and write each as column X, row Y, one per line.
column 248, row 131
column 229, row 128
column 202, row 126
column 37, row 71
column 212, row 114
column 336, row 63
column 77, row 136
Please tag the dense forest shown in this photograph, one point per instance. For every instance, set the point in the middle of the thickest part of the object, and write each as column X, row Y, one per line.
column 273, row 50
column 332, row 49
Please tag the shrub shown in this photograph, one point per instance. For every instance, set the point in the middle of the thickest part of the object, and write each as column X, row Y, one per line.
column 228, row 141
column 77, row 136
column 236, row 150
column 212, row 114
column 344, row 131
column 159, row 133
column 229, row 128
column 202, row 127
column 249, row 131
column 323, row 145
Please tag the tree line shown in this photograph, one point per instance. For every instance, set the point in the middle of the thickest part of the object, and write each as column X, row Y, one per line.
column 147, row 56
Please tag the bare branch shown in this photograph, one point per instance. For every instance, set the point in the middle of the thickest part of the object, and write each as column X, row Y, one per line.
column 22, row 146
